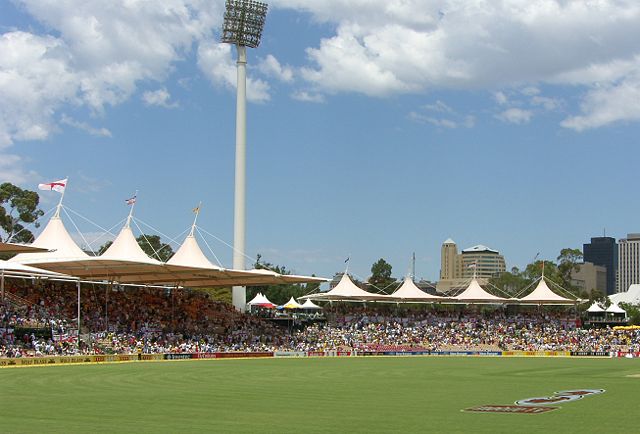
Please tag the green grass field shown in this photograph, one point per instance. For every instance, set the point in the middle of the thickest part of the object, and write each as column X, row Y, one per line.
column 348, row 395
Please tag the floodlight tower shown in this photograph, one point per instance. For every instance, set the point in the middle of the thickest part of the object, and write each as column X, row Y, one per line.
column 243, row 24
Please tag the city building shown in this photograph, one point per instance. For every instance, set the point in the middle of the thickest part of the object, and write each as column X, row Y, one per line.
column 590, row 276
column 457, row 268
column 603, row 251
column 628, row 262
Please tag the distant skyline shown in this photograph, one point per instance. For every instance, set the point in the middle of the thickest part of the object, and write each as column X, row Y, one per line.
column 375, row 129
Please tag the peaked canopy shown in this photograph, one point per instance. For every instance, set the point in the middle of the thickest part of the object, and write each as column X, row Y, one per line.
column 411, row 293
column 261, row 300
column 310, row 305
column 125, row 262
column 292, row 304
column 20, row 248
column 595, row 308
column 345, row 290
column 53, row 236
column 474, row 294
column 614, row 308
column 544, row 295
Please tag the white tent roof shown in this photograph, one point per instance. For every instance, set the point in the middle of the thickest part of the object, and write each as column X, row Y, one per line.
column 595, row 308
column 614, row 308
column 260, row 300
column 53, row 236
column 125, row 262
column 475, row 294
column 310, row 305
column 190, row 255
column 410, row 292
column 125, row 247
column 292, row 304
column 19, row 248
column 345, row 290
column 631, row 296
column 12, row 269
column 544, row 295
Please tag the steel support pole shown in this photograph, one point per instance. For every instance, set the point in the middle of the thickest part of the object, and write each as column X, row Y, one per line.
column 239, row 293
column 78, row 336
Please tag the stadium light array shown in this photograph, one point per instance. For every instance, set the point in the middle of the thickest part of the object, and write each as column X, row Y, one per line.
column 243, row 22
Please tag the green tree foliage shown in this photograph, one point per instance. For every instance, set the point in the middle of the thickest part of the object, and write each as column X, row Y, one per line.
column 633, row 312
column 279, row 294
column 152, row 245
column 515, row 281
column 568, row 263
column 381, row 276
column 18, row 206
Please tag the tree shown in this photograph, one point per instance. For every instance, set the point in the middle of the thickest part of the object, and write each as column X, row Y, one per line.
column 568, row 263
column 381, row 275
column 278, row 294
column 152, row 245
column 18, row 206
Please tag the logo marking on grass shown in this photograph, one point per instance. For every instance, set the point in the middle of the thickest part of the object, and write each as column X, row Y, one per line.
column 513, row 409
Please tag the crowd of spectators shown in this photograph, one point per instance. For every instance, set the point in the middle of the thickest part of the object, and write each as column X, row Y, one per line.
column 150, row 320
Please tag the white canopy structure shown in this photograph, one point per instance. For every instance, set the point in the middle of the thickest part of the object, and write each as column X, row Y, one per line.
column 614, row 308
column 261, row 300
column 631, row 296
column 54, row 236
column 310, row 305
column 595, row 308
column 409, row 292
column 345, row 290
column 542, row 294
column 19, row 248
column 125, row 262
column 292, row 304
column 474, row 294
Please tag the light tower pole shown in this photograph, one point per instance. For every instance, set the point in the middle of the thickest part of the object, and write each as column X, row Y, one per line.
column 243, row 24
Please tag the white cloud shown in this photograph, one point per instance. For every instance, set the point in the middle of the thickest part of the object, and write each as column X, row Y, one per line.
column 447, row 116
column 608, row 104
column 99, row 54
column 12, row 170
column 160, row 98
column 500, row 98
column 271, row 67
column 216, row 63
column 99, row 132
column 515, row 115
column 383, row 47
column 308, row 97
column 439, row 106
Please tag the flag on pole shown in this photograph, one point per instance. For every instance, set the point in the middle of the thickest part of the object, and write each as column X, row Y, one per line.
column 196, row 210
column 346, row 260
column 131, row 200
column 58, row 186
column 472, row 265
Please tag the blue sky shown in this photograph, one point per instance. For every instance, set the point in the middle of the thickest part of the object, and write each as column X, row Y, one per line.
column 375, row 128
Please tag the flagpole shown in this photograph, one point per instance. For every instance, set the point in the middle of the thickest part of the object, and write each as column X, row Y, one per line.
column 135, row 197
column 59, row 207
column 195, row 219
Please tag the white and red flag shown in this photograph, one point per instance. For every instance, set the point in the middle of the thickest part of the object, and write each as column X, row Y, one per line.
column 131, row 200
column 58, row 186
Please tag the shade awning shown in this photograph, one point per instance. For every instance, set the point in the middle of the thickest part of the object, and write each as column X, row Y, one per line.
column 474, row 294
column 409, row 292
column 542, row 294
column 20, row 248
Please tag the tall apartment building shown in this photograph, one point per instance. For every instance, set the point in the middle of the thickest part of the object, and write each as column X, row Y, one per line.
column 457, row 268
column 628, row 262
column 603, row 251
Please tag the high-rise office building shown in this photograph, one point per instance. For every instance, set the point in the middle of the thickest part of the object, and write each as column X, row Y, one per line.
column 603, row 251
column 457, row 268
column 628, row 262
